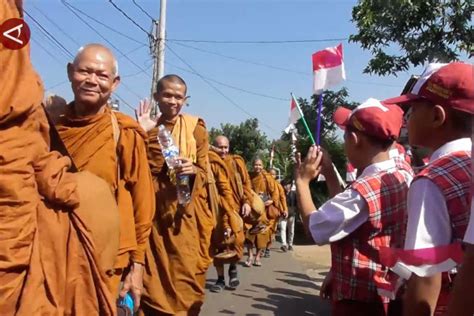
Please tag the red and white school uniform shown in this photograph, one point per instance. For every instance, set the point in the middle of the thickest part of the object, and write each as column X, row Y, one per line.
column 368, row 215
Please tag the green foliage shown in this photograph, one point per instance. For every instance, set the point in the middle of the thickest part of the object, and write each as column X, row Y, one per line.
column 329, row 135
column 245, row 139
column 424, row 31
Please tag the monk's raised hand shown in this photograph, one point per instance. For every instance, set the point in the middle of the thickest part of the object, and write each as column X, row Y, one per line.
column 310, row 168
column 185, row 167
column 143, row 115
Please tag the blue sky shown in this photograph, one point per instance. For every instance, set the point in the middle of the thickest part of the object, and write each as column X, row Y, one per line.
column 220, row 20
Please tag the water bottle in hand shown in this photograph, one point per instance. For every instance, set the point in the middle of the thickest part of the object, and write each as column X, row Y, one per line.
column 183, row 189
column 168, row 148
column 170, row 153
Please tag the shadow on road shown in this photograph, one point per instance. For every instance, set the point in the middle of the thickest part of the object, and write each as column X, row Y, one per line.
column 286, row 301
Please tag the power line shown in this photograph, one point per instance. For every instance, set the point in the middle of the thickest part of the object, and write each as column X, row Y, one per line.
column 129, row 18
column 57, row 26
column 242, row 60
column 215, row 88
column 57, row 85
column 105, row 25
column 261, row 42
column 276, row 67
column 67, row 5
column 143, row 10
column 47, row 51
column 230, row 86
column 61, row 46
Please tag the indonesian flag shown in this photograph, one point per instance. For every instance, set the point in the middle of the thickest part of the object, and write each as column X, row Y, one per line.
column 328, row 68
column 295, row 114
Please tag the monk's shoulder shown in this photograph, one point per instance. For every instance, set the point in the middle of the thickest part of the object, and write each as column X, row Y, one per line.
column 129, row 125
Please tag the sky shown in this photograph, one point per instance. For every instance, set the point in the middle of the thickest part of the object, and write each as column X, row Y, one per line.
column 255, row 81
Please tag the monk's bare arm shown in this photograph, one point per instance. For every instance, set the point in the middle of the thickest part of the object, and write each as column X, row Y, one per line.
column 422, row 295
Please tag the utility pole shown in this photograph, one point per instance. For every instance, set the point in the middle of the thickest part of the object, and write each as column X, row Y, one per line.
column 158, row 49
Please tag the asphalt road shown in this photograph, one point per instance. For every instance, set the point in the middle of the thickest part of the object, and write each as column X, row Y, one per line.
column 286, row 284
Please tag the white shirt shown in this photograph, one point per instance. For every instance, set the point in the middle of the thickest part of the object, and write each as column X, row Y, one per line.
column 428, row 219
column 469, row 237
column 344, row 213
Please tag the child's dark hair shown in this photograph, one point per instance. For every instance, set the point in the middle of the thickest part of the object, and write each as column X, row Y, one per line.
column 170, row 78
column 384, row 144
column 461, row 121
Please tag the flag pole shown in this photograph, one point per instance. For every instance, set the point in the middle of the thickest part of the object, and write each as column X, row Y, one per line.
column 304, row 121
column 318, row 125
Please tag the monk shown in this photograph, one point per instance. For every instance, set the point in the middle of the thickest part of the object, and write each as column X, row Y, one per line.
column 48, row 262
column 282, row 207
column 112, row 146
column 264, row 185
column 241, row 195
column 178, row 254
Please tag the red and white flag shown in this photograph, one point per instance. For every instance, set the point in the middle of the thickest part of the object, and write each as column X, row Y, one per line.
column 328, row 68
column 295, row 114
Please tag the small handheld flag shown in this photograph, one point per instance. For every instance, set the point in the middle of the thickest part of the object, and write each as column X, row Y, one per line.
column 328, row 71
column 295, row 115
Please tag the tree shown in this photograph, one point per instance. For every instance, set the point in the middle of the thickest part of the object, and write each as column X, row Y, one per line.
column 245, row 139
column 424, row 31
column 329, row 138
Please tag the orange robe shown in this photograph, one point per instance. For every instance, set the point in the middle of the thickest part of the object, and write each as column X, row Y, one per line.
column 263, row 184
column 280, row 203
column 228, row 216
column 91, row 144
column 48, row 264
column 179, row 250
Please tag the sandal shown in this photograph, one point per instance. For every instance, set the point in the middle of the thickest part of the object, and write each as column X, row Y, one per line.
column 248, row 263
column 218, row 287
column 234, row 278
column 257, row 263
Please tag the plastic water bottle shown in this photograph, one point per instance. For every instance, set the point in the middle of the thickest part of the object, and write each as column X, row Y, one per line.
column 170, row 153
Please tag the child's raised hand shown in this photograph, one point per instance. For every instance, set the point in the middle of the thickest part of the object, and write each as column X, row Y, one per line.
column 326, row 164
column 310, row 168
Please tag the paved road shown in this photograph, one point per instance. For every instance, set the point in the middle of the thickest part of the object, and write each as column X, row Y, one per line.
column 286, row 284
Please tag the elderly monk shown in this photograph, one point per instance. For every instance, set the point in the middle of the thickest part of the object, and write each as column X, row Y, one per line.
column 264, row 185
column 178, row 254
column 48, row 263
column 112, row 146
column 280, row 205
column 241, row 195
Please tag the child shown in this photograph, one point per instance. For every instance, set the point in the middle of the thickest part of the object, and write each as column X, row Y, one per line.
column 440, row 107
column 369, row 214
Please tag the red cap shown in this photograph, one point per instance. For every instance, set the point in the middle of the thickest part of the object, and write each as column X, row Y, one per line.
column 373, row 118
column 450, row 85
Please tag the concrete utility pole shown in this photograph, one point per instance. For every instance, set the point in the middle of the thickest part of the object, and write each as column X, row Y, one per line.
column 158, row 49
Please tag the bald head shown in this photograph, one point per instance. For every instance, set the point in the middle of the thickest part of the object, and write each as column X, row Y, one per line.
column 221, row 143
column 94, row 77
column 101, row 52
column 273, row 173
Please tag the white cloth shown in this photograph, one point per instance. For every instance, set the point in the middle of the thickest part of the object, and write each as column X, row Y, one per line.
column 343, row 214
column 287, row 224
column 428, row 219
